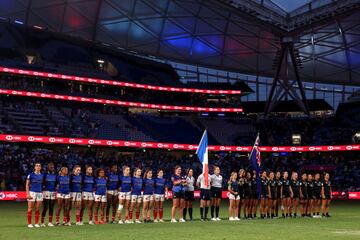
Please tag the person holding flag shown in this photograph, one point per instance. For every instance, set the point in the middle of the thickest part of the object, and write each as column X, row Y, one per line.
column 203, row 181
column 255, row 162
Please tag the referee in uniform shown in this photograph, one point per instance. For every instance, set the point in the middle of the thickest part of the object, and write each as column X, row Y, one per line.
column 204, row 195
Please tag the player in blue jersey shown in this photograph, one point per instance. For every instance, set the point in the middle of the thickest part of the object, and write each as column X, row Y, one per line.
column 34, row 195
column 75, row 193
column 112, row 192
column 124, row 194
column 136, row 196
column 49, row 194
column 148, row 196
column 100, row 195
column 88, row 194
column 63, row 196
column 160, row 193
column 177, row 194
column 234, row 198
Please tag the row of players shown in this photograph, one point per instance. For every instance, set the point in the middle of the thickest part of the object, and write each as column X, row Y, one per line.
column 125, row 193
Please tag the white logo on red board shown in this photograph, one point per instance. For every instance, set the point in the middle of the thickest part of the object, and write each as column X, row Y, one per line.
column 330, row 148
column 91, row 141
column 311, row 148
column 293, row 148
column 72, row 140
column 52, row 139
column 109, row 142
column 2, row 195
column 275, row 148
column 349, row 147
column 143, row 144
column 31, row 139
column 9, row 137
column 126, row 143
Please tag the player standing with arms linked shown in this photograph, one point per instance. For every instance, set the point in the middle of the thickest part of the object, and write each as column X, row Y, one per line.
column 34, row 184
column 49, row 194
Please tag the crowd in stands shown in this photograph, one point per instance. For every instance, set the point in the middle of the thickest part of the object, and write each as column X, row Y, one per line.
column 16, row 161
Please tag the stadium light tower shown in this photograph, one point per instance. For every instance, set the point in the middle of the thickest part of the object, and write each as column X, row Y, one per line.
column 281, row 87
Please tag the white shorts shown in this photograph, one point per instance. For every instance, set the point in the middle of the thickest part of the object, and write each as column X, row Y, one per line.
column 233, row 197
column 112, row 192
column 100, row 198
column 125, row 195
column 36, row 197
column 49, row 195
column 148, row 198
column 75, row 196
column 136, row 198
column 159, row 197
column 63, row 196
column 88, row 196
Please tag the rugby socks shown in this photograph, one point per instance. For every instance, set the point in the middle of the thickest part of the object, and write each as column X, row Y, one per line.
column 212, row 211
column 29, row 216
column 184, row 213
column 130, row 215
column 155, row 213
column 217, row 209
column 201, row 213
column 96, row 217
column 191, row 213
column 57, row 217
column 206, row 212
column 90, row 216
column 50, row 218
column 37, row 216
column 137, row 215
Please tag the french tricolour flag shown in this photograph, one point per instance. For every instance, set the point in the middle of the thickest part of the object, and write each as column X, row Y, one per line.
column 202, row 153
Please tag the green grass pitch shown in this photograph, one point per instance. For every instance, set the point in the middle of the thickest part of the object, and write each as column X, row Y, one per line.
column 344, row 224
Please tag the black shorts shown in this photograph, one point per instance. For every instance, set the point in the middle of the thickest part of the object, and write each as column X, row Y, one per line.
column 317, row 196
column 327, row 196
column 216, row 192
column 189, row 196
column 178, row 195
column 305, row 197
column 286, row 194
column 247, row 195
column 205, row 194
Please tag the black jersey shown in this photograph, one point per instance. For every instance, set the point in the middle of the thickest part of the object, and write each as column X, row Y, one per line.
column 254, row 190
column 264, row 187
column 317, row 189
column 278, row 188
column 286, row 188
column 273, row 188
column 310, row 189
column 248, row 189
column 327, row 188
column 304, row 189
column 241, row 187
column 295, row 186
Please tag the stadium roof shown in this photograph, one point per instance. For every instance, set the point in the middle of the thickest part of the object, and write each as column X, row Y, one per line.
column 238, row 35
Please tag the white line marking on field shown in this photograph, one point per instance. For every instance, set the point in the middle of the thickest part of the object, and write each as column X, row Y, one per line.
column 357, row 233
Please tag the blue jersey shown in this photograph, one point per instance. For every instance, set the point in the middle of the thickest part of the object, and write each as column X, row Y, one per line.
column 176, row 188
column 50, row 182
column 36, row 181
column 137, row 184
column 100, row 186
column 149, row 186
column 63, row 184
column 75, row 183
column 160, row 186
column 125, row 184
column 88, row 183
column 113, row 181
column 234, row 186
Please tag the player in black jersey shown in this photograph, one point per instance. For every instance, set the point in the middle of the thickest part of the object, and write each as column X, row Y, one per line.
column 247, row 196
column 310, row 189
column 326, row 195
column 303, row 195
column 278, row 193
column 317, row 195
column 295, row 186
column 264, row 194
column 241, row 182
column 286, row 193
column 254, row 195
column 272, row 195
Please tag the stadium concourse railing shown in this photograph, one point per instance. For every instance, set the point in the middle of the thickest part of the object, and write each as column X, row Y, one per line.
column 21, row 195
column 114, row 83
column 117, row 102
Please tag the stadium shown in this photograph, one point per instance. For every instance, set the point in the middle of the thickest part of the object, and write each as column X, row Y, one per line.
column 176, row 119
